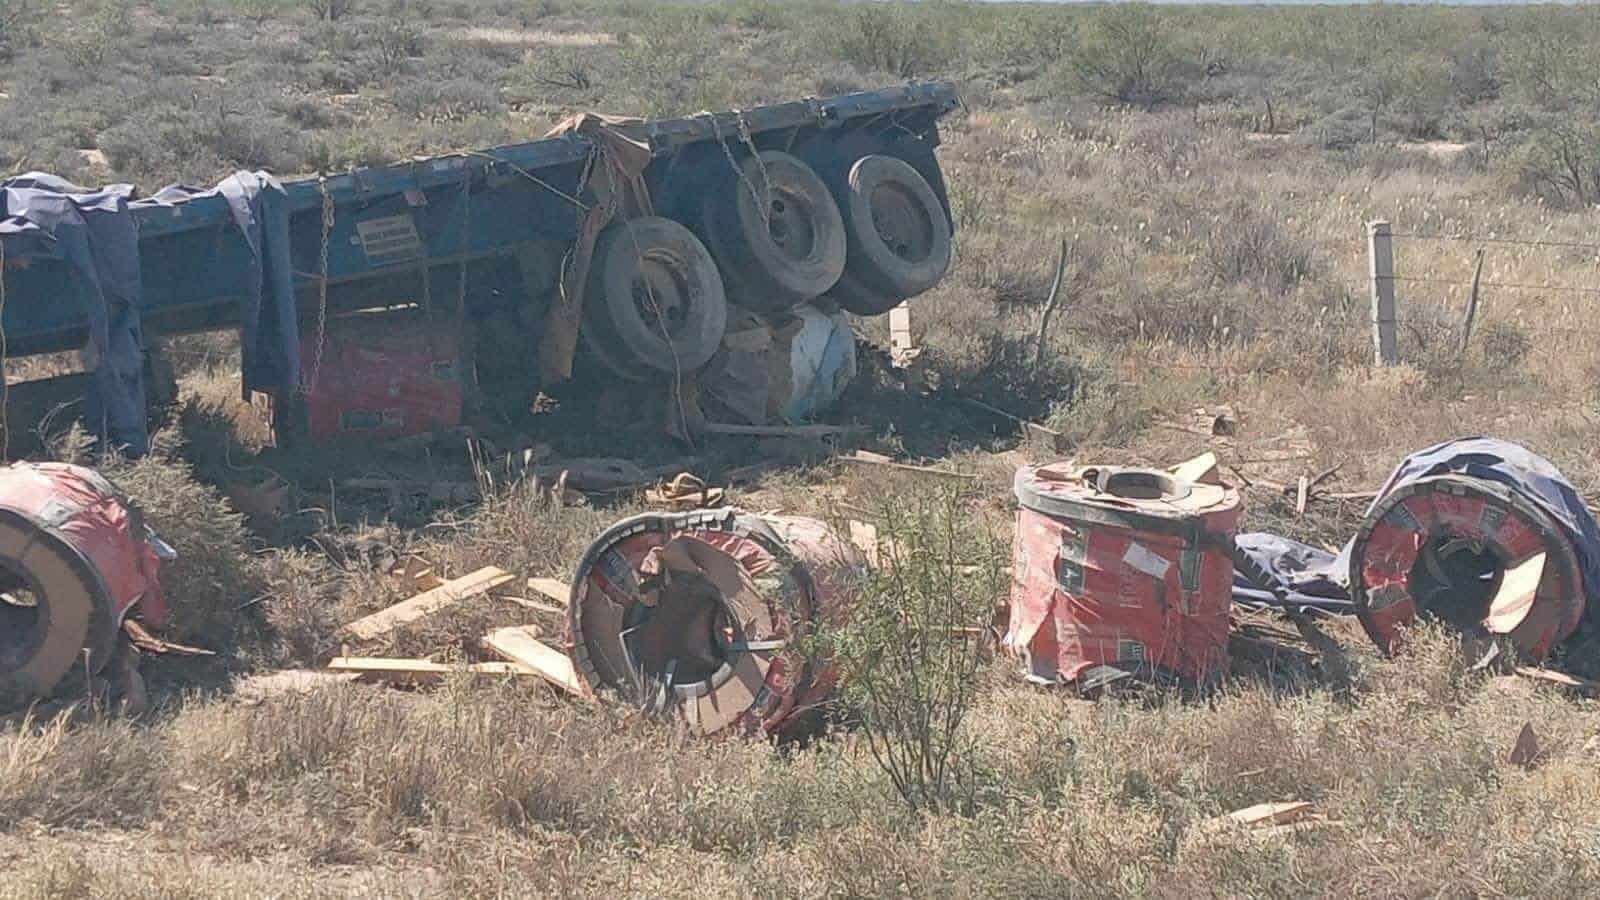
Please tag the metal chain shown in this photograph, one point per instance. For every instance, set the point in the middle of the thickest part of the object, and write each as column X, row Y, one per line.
column 308, row 384
column 716, row 129
column 766, row 181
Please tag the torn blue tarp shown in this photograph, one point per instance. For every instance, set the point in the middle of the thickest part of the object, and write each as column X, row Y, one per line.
column 1290, row 566
column 269, row 341
column 92, row 233
column 1299, row 574
column 1530, row 475
column 95, row 236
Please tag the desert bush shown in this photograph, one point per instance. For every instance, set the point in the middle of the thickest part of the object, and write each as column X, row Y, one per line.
column 330, row 10
column 1129, row 54
column 909, row 656
column 1558, row 160
column 556, row 69
column 17, row 18
column 260, row 12
column 1503, row 343
column 1247, row 244
column 89, row 40
column 448, row 101
column 896, row 38
column 393, row 42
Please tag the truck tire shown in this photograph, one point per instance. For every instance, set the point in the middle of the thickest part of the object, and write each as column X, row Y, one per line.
column 793, row 253
column 655, row 296
column 38, row 647
column 854, row 296
column 899, row 235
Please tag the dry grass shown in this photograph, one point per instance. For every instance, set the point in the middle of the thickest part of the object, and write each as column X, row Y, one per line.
column 1208, row 266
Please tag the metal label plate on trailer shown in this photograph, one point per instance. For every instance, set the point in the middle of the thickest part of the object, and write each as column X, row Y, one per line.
column 389, row 240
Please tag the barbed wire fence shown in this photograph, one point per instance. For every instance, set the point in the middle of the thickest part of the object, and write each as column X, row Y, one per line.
column 1384, row 275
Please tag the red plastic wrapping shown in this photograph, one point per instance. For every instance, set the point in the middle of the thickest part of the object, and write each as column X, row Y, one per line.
column 382, row 379
column 774, row 579
column 86, row 511
column 1139, row 584
column 1393, row 576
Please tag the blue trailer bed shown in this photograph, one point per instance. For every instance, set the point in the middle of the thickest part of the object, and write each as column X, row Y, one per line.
column 407, row 232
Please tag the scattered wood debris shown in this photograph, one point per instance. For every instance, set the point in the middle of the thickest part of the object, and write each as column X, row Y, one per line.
column 1200, row 470
column 149, row 643
column 521, row 645
column 552, row 588
column 257, row 688
column 902, row 349
column 1268, row 814
column 427, row 603
column 1051, row 438
column 419, row 671
column 1550, row 676
column 535, row 605
column 867, row 457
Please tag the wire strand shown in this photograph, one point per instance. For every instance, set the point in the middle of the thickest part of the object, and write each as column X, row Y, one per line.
column 1479, row 239
column 1509, row 285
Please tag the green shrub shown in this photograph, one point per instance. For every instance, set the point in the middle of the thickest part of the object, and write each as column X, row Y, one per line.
column 911, row 651
column 1129, row 55
column 896, row 38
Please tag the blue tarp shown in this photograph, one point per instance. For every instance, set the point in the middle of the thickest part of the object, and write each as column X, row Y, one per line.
column 95, row 236
column 1301, row 568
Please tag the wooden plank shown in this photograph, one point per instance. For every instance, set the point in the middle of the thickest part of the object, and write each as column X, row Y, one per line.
column 520, row 645
column 427, row 603
column 1560, row 678
column 419, row 671
column 552, row 588
column 1301, row 492
column 1200, row 470
column 536, row 605
column 1263, row 814
column 901, row 347
column 876, row 459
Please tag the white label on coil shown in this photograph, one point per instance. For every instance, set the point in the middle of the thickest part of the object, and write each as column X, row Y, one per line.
column 1140, row 557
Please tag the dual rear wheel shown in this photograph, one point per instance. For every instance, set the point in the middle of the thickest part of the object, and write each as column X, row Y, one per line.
column 770, row 236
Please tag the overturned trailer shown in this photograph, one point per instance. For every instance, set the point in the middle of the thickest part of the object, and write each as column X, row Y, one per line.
column 629, row 238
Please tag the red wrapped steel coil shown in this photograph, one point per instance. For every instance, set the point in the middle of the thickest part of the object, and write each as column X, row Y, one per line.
column 75, row 558
column 1468, row 551
column 1130, row 569
column 704, row 616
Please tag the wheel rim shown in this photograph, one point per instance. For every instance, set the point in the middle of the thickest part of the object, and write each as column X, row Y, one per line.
column 661, row 293
column 902, row 223
column 791, row 224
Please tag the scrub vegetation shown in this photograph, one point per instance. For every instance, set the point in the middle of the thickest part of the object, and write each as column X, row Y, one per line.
column 1211, row 171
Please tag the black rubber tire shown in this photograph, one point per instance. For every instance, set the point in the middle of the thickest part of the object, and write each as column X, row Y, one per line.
column 71, row 601
column 655, row 297
column 899, row 235
column 775, row 262
column 853, row 295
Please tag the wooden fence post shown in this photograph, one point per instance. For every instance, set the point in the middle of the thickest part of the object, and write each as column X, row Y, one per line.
column 1380, row 250
column 1472, row 307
